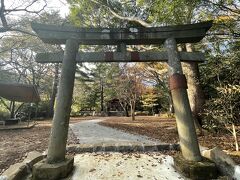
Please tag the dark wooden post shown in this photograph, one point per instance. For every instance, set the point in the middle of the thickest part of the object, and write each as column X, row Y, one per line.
column 59, row 133
column 178, row 85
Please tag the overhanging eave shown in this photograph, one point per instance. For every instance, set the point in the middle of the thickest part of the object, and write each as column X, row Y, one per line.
column 189, row 33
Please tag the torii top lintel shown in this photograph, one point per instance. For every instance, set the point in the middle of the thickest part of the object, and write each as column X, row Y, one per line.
column 189, row 33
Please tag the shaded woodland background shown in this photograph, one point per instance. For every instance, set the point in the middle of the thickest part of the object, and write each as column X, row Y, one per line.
column 141, row 88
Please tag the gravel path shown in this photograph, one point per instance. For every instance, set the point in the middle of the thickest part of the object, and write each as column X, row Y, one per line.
column 90, row 132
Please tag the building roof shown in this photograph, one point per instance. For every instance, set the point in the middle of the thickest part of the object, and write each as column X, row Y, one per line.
column 19, row 92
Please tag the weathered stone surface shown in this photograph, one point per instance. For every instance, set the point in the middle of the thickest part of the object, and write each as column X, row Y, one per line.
column 150, row 148
column 115, row 147
column 163, row 147
column 124, row 148
column 224, row 178
column 186, row 130
column 16, row 171
column 224, row 163
column 86, row 147
column 45, row 171
column 201, row 170
column 83, row 148
column 188, row 33
column 32, row 158
column 3, row 178
column 153, row 56
column 175, row 147
column 137, row 147
column 60, row 124
column 237, row 172
column 21, row 170
column 110, row 147
column 124, row 166
column 98, row 147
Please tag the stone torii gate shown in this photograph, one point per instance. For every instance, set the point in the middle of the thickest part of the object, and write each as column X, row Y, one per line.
column 72, row 37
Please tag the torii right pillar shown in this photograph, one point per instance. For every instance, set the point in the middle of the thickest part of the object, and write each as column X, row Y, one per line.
column 178, row 86
column 192, row 165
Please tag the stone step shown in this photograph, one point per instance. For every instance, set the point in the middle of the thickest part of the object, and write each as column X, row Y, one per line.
column 122, row 147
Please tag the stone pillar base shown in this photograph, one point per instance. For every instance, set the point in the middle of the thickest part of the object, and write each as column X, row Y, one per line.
column 201, row 170
column 42, row 170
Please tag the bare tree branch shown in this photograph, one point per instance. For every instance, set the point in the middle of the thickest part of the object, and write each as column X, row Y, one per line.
column 22, row 31
column 26, row 8
column 224, row 8
column 130, row 19
column 4, row 103
column 6, row 27
column 2, row 16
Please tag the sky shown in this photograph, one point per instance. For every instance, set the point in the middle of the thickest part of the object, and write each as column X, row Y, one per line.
column 60, row 5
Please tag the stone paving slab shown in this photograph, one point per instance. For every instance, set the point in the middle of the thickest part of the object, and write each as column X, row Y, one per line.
column 119, row 166
column 90, row 132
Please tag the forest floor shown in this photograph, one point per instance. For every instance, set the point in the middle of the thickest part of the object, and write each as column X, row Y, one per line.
column 15, row 144
column 165, row 130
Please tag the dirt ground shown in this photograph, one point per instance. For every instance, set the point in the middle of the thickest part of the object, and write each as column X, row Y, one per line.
column 15, row 144
column 166, row 131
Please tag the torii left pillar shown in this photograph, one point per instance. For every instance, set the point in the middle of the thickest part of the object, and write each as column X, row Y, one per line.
column 59, row 133
column 56, row 165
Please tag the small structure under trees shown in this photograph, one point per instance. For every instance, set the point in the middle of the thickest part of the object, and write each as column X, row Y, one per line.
column 18, row 93
column 72, row 37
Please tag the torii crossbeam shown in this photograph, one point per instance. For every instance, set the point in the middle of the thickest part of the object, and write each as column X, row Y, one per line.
column 57, row 57
column 72, row 37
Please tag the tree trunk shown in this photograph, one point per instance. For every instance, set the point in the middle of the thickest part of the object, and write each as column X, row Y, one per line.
column 171, row 108
column 132, row 104
column 54, row 91
column 124, row 106
column 195, row 92
column 126, row 110
column 102, row 97
column 12, row 109
column 36, row 110
column 235, row 137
